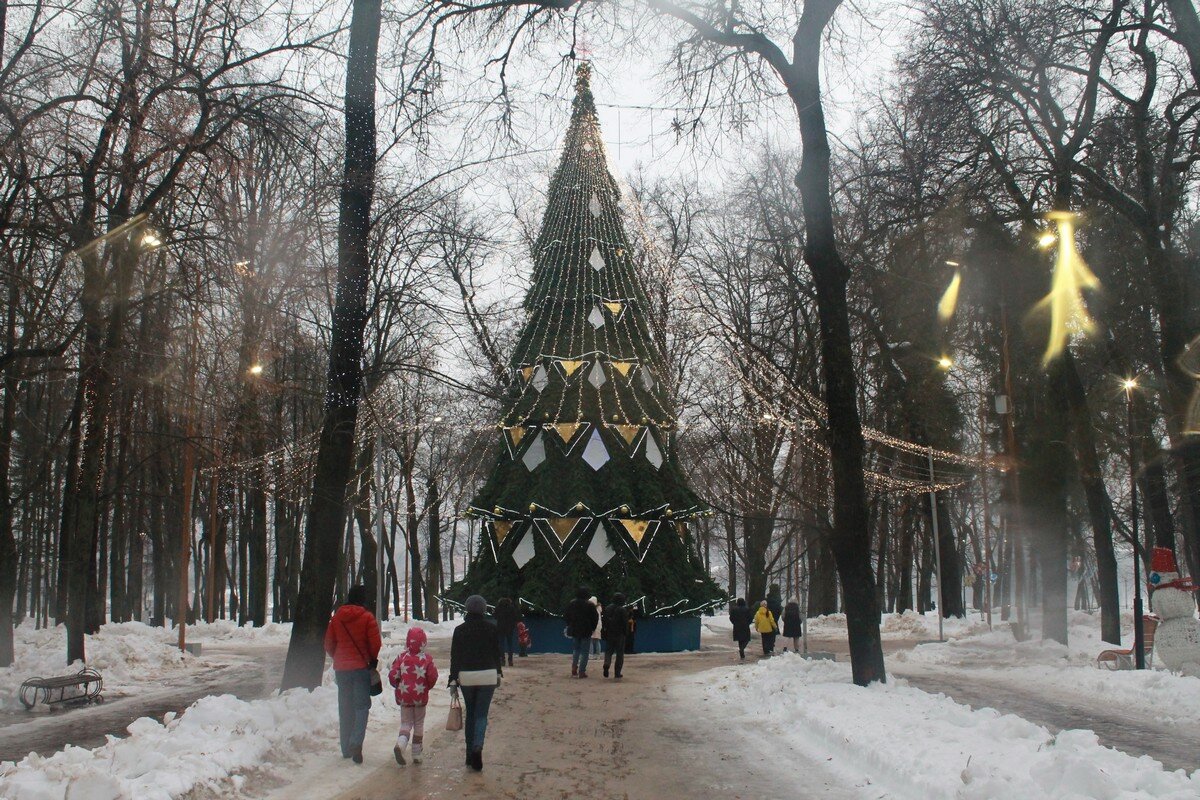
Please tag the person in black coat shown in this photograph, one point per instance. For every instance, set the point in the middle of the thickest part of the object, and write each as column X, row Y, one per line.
column 775, row 601
column 475, row 649
column 741, row 616
column 507, row 617
column 581, row 618
column 793, row 625
column 616, row 627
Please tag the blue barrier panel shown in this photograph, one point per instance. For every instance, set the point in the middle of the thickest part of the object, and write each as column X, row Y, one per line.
column 654, row 635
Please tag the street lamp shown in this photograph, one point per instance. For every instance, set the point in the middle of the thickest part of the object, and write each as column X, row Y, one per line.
column 1139, row 657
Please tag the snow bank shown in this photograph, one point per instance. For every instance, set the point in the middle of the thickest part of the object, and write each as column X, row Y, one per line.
column 908, row 743
column 204, row 748
column 126, row 654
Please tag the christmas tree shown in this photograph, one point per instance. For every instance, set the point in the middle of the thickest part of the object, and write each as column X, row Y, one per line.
column 586, row 489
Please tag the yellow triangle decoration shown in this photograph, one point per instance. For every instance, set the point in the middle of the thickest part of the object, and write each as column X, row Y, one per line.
column 567, row 430
column 614, row 307
column 623, row 367
column 681, row 528
column 636, row 528
column 628, row 432
column 502, row 529
column 569, row 367
column 516, row 433
column 527, row 372
column 562, row 527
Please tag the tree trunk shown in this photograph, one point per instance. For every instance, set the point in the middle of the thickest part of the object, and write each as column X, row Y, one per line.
column 335, row 453
column 433, row 583
column 1187, row 30
column 851, row 536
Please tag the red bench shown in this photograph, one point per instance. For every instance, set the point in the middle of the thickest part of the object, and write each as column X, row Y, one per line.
column 1123, row 659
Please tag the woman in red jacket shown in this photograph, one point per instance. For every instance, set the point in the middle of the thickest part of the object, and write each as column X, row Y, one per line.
column 352, row 638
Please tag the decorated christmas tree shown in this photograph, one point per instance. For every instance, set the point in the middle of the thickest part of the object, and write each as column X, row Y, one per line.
column 586, row 489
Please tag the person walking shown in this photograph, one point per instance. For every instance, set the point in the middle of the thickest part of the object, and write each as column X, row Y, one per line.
column 352, row 639
column 476, row 667
column 596, row 633
column 615, row 628
column 412, row 675
column 764, row 623
column 741, row 617
column 581, row 619
column 793, row 625
column 507, row 617
column 775, row 601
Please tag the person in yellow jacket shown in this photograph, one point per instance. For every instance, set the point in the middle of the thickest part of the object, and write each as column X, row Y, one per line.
column 764, row 623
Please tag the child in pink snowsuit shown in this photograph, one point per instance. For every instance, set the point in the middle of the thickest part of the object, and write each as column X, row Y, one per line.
column 412, row 675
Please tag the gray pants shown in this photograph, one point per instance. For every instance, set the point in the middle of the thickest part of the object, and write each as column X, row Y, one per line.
column 354, row 704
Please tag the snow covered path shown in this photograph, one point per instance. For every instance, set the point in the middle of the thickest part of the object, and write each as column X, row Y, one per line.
column 1129, row 729
column 245, row 671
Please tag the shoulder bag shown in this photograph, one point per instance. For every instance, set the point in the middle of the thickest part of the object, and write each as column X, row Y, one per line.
column 454, row 722
column 376, row 680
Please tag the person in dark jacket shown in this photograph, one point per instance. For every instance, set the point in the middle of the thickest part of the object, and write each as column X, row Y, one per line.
column 614, row 630
column 775, row 602
column 793, row 625
column 581, row 618
column 507, row 617
column 741, row 616
column 475, row 649
column 352, row 638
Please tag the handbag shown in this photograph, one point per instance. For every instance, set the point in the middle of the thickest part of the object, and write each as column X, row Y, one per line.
column 454, row 721
column 478, row 677
column 376, row 680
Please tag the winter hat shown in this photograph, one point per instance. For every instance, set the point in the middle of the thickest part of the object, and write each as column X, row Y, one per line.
column 594, row 601
column 415, row 640
column 476, row 605
column 1165, row 574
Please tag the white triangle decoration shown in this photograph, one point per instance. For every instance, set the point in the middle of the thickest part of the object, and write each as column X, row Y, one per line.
column 540, row 378
column 596, row 375
column 653, row 454
column 524, row 552
column 536, row 453
column 594, row 205
column 595, row 259
column 595, row 455
column 647, row 379
column 600, row 550
column 596, row 317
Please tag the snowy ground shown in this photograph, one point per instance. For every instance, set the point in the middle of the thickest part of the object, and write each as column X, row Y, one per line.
column 909, row 738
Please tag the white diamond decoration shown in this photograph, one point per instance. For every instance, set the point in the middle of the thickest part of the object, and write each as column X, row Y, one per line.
column 595, row 259
column 653, row 454
column 647, row 379
column 600, row 550
column 596, row 317
column 536, row 453
column 595, row 455
column 540, row 378
column 596, row 375
column 524, row 551
column 594, row 205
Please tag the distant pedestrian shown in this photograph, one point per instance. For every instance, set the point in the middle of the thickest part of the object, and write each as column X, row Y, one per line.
column 596, row 633
column 581, row 619
column 775, row 601
column 476, row 667
column 764, row 623
column 508, row 615
column 629, row 640
column 742, row 618
column 352, row 638
column 412, row 675
column 615, row 628
column 793, row 625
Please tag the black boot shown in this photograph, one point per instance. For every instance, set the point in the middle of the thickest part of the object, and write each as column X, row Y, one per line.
column 477, row 761
column 510, row 659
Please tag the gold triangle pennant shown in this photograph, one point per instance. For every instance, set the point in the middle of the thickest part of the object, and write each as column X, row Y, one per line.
column 629, row 432
column 527, row 372
column 623, row 367
column 636, row 528
column 571, row 366
column 681, row 528
column 515, row 434
column 615, row 307
column 567, row 430
column 502, row 529
column 562, row 527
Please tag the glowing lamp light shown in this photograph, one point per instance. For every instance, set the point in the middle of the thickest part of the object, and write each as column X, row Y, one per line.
column 945, row 362
column 437, row 419
column 1047, row 240
column 255, row 369
column 150, row 240
column 1129, row 384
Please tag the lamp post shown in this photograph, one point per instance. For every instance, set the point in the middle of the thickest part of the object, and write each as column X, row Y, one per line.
column 1139, row 656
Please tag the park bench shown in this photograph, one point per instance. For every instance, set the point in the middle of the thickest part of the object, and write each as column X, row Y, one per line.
column 82, row 688
column 1123, row 659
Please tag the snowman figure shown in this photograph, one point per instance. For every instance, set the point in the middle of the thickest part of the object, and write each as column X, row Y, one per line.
column 1177, row 640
